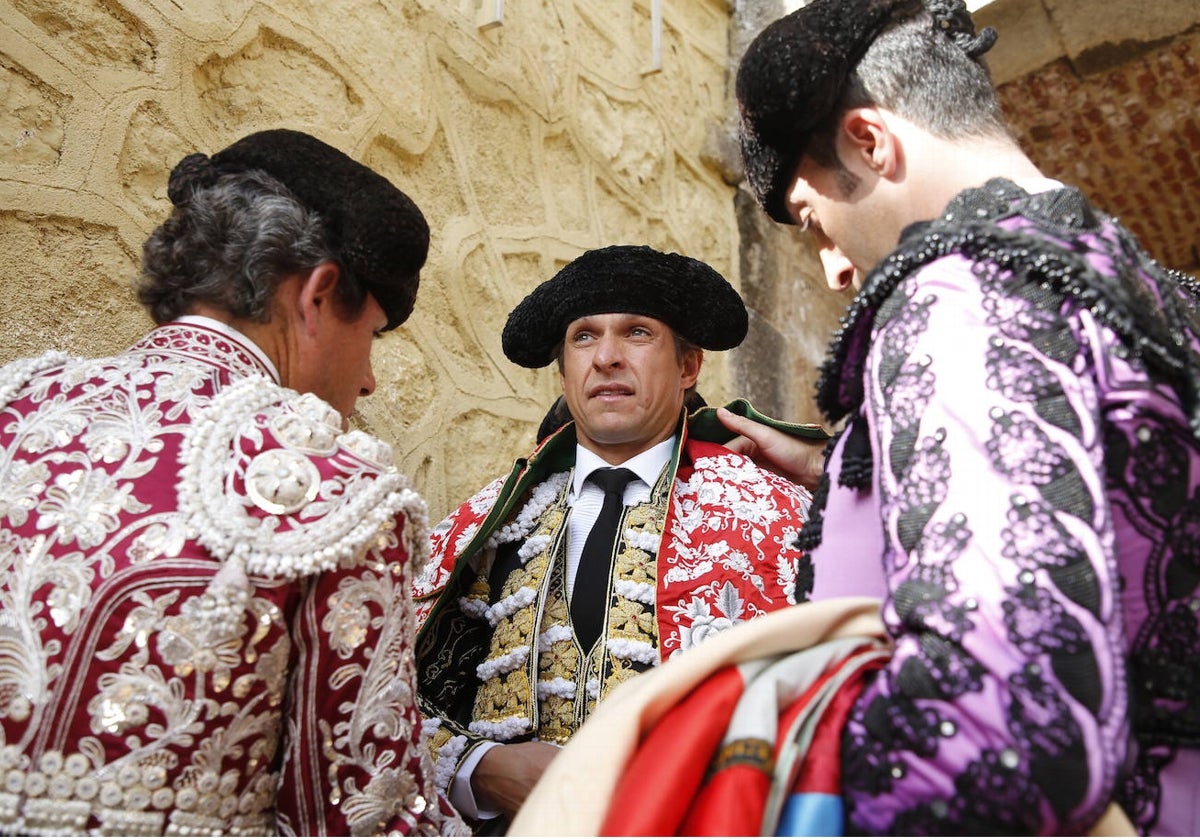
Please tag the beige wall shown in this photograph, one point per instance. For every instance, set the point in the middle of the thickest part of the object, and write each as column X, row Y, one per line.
column 524, row 143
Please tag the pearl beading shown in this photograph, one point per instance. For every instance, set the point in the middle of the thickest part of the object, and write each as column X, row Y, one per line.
column 345, row 517
column 14, row 375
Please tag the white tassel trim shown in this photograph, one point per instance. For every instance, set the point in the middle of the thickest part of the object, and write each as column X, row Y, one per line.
column 532, row 546
column 474, row 607
column 635, row 651
column 503, row 664
column 643, row 593
column 504, row 730
column 557, row 687
column 557, row 633
column 505, row 607
column 539, row 499
column 447, row 762
column 645, row 540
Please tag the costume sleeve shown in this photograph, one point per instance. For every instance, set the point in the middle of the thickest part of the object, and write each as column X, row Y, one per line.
column 446, row 542
column 449, row 740
column 450, row 745
column 353, row 761
column 1005, row 708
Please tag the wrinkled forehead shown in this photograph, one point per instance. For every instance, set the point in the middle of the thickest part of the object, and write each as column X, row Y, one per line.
column 616, row 319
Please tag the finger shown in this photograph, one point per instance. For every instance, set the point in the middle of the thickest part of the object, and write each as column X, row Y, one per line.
column 735, row 422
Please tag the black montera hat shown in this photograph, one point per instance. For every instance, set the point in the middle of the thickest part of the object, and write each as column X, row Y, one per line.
column 794, row 73
column 378, row 232
column 687, row 295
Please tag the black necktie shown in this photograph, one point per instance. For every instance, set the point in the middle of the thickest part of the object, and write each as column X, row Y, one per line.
column 589, row 600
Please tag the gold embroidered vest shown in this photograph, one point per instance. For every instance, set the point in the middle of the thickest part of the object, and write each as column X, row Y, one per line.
column 536, row 678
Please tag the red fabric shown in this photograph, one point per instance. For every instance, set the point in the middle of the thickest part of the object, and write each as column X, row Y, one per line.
column 662, row 791
column 131, row 677
column 732, row 801
column 821, row 770
column 655, row 790
column 690, row 608
column 729, row 805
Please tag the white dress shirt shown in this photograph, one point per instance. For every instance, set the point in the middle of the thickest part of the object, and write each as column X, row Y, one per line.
column 586, row 499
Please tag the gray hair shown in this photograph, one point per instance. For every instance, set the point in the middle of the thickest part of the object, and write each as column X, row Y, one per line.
column 230, row 245
column 927, row 77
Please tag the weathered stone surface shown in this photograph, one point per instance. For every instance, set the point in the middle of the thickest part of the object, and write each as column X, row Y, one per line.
column 31, row 121
column 99, row 32
column 525, row 144
column 67, row 285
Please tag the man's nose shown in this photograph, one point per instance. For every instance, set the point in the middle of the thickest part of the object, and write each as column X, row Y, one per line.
column 839, row 271
column 368, row 385
column 609, row 350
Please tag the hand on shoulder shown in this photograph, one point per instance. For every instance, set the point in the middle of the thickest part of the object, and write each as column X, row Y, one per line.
column 801, row 460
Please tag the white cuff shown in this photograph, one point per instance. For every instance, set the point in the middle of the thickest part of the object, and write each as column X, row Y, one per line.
column 462, row 796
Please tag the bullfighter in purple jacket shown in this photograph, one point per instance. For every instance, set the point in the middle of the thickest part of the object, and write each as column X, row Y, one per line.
column 1018, row 473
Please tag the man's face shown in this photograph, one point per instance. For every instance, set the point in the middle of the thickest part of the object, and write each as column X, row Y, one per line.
column 624, row 382
column 841, row 208
column 341, row 367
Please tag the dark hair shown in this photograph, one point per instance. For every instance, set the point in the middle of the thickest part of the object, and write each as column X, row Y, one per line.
column 229, row 245
column 929, row 74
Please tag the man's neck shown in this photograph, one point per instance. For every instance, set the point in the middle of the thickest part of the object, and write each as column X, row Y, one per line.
column 647, row 463
column 947, row 167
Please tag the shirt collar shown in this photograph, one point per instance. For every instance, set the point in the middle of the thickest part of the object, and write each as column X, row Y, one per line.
column 238, row 336
column 1033, row 186
column 646, row 465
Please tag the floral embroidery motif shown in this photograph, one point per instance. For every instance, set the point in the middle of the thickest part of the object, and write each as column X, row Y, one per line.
column 1046, row 628
column 160, row 709
column 350, row 514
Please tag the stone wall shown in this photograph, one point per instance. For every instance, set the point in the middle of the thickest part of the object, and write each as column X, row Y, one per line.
column 793, row 314
column 1103, row 96
column 525, row 143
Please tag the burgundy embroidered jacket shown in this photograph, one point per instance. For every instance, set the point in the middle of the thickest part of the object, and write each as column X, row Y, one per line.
column 204, row 603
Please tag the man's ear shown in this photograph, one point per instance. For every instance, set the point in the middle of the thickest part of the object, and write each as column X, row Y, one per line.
column 317, row 298
column 693, row 360
column 871, row 139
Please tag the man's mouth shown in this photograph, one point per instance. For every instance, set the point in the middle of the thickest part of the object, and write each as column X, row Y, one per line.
column 610, row 391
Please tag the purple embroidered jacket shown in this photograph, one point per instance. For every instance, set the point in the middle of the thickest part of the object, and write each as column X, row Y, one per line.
column 1019, row 479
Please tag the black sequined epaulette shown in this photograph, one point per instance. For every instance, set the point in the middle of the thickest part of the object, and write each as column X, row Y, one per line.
column 857, row 463
column 1158, row 319
column 810, row 535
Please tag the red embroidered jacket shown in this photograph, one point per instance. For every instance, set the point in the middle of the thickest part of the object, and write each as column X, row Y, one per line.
column 204, row 603
column 721, row 552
